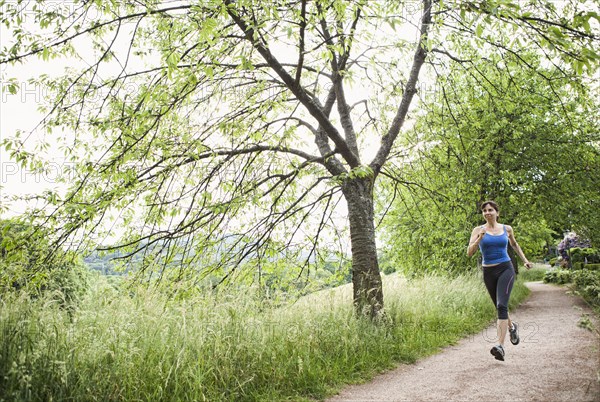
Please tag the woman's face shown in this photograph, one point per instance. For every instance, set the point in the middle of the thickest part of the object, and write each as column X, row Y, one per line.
column 489, row 213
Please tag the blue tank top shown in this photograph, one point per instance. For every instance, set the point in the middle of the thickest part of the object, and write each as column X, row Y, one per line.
column 494, row 248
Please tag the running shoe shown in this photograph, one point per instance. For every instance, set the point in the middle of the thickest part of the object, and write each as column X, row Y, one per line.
column 514, row 334
column 498, row 352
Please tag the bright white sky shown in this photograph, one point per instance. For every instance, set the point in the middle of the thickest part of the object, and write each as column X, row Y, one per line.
column 19, row 112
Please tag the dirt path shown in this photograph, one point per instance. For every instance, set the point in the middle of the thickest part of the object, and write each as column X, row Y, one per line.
column 555, row 361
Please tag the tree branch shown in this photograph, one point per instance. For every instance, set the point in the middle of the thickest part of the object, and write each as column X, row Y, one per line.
column 333, row 165
column 301, row 45
column 470, row 6
column 308, row 102
column 419, row 58
column 454, row 58
column 338, row 82
column 93, row 28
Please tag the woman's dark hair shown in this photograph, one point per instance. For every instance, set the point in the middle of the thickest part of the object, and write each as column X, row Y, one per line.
column 491, row 204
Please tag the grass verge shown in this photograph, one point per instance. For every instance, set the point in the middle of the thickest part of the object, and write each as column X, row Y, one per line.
column 534, row 274
column 122, row 345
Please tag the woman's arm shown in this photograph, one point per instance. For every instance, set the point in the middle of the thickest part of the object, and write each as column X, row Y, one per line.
column 516, row 247
column 476, row 236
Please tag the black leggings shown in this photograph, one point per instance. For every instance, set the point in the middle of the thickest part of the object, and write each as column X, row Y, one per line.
column 499, row 280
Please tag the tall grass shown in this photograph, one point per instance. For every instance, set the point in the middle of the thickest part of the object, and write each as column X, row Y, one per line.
column 124, row 345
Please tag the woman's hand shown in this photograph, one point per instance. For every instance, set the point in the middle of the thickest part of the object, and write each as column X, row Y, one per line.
column 528, row 265
column 476, row 236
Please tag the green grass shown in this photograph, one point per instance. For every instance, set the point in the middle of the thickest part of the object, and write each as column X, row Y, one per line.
column 534, row 274
column 125, row 346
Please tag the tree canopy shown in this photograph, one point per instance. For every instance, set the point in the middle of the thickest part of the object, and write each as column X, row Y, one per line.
column 527, row 138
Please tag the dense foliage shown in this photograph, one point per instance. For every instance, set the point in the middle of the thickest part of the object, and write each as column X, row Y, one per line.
column 498, row 131
column 29, row 265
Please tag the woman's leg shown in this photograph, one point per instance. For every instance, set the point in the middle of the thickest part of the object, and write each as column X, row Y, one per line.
column 503, row 290
column 502, row 330
column 490, row 279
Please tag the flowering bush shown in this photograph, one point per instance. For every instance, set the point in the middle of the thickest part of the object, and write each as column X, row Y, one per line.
column 570, row 241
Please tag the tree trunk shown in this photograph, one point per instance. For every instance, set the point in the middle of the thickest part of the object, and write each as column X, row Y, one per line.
column 366, row 279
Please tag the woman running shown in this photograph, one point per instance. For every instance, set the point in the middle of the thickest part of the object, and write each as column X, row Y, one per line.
column 498, row 272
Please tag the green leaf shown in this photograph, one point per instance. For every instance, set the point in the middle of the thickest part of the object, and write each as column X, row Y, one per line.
column 557, row 32
column 586, row 25
column 45, row 54
column 172, row 60
column 208, row 28
column 578, row 67
column 479, row 30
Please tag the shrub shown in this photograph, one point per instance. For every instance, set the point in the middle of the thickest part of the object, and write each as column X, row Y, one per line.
column 559, row 276
column 552, row 261
column 592, row 267
column 29, row 264
column 591, row 255
column 587, row 284
column 578, row 265
column 586, row 255
column 576, row 254
column 389, row 269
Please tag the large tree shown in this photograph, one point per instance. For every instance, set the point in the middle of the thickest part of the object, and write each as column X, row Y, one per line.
column 232, row 123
